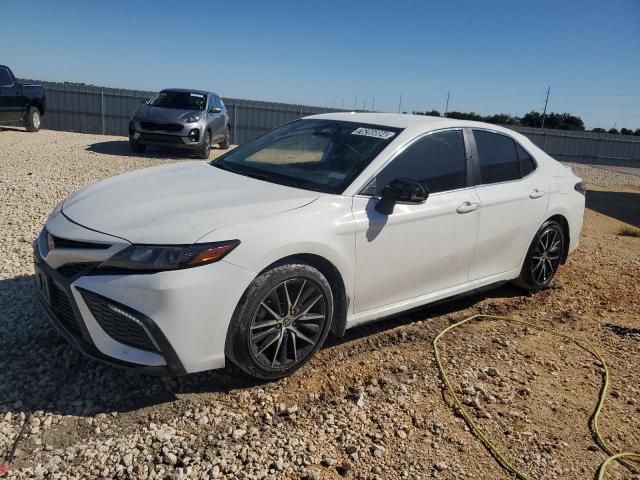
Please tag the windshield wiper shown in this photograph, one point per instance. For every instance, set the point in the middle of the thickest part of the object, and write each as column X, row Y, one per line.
column 256, row 175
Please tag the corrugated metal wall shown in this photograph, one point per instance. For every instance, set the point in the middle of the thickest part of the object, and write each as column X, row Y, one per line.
column 586, row 147
column 91, row 109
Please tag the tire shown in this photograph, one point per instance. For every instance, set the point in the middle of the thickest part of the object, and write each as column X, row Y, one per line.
column 224, row 145
column 203, row 152
column 281, row 321
column 543, row 257
column 137, row 147
column 33, row 120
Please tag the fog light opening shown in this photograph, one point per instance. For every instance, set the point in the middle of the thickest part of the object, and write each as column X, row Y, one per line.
column 194, row 134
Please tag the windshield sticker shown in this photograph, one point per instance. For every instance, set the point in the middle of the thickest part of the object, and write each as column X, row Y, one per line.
column 373, row 132
column 197, row 95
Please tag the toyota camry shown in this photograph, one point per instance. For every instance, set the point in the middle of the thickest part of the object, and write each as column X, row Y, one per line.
column 320, row 225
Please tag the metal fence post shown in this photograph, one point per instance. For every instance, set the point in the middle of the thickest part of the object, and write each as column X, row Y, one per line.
column 102, row 110
column 235, row 122
column 600, row 148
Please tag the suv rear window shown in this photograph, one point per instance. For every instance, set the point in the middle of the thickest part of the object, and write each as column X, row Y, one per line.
column 498, row 157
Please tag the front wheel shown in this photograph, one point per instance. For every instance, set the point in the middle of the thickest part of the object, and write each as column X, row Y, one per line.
column 543, row 257
column 204, row 150
column 137, row 147
column 224, row 144
column 33, row 121
column 281, row 321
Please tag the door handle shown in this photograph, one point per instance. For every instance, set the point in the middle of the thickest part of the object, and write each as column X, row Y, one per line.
column 467, row 207
column 537, row 193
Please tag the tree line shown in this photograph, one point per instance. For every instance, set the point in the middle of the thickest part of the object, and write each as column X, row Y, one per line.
column 558, row 121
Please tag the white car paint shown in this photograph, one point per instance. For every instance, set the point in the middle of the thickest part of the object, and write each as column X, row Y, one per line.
column 455, row 242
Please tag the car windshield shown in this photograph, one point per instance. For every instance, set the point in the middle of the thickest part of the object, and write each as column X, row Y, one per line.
column 320, row 155
column 181, row 100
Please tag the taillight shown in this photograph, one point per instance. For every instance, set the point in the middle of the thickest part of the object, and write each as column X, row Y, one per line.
column 581, row 187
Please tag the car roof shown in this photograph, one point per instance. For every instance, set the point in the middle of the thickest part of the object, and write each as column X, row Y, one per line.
column 186, row 90
column 416, row 123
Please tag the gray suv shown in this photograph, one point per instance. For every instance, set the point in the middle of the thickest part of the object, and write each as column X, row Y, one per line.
column 180, row 118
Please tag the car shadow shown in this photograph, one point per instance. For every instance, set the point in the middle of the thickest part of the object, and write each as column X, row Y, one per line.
column 623, row 206
column 13, row 129
column 121, row 148
column 39, row 370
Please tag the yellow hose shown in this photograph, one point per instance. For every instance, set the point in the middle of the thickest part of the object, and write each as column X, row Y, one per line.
column 502, row 460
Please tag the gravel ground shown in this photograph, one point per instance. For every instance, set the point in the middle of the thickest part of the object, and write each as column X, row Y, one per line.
column 369, row 406
column 606, row 176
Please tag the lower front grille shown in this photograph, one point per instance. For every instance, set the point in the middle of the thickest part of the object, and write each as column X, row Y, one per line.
column 157, row 137
column 70, row 270
column 161, row 127
column 63, row 310
column 119, row 324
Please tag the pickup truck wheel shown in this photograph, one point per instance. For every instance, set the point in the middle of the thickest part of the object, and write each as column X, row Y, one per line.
column 224, row 145
column 33, row 121
column 137, row 147
column 203, row 152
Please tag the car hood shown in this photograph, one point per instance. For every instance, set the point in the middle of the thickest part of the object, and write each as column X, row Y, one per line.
column 178, row 203
column 162, row 114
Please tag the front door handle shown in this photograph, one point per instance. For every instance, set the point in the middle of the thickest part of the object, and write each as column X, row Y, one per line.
column 467, row 207
column 537, row 193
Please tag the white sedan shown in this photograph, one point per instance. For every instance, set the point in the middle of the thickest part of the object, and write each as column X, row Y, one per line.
column 319, row 225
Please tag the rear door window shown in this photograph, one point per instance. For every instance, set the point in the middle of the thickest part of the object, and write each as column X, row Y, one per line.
column 498, row 157
column 437, row 160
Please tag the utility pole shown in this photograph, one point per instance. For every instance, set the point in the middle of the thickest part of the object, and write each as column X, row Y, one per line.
column 373, row 103
column 400, row 104
column 342, row 104
column 446, row 108
column 544, row 113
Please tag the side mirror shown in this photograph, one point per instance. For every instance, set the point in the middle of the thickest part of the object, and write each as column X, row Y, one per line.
column 401, row 190
column 215, row 110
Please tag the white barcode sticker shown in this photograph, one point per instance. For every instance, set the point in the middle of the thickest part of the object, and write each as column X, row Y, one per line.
column 373, row 132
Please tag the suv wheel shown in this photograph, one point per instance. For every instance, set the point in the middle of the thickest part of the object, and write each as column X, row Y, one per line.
column 33, row 121
column 203, row 152
column 137, row 147
column 224, row 145
column 281, row 321
column 543, row 258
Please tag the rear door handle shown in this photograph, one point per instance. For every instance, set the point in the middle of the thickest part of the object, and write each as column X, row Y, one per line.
column 467, row 207
column 537, row 193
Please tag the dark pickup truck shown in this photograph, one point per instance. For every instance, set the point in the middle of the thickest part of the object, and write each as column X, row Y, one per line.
column 20, row 104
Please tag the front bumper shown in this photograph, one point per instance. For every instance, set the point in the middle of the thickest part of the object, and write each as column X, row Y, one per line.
column 167, row 323
column 177, row 138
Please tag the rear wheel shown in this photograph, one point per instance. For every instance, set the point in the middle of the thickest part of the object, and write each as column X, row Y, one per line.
column 281, row 321
column 543, row 258
column 204, row 150
column 224, row 145
column 33, row 121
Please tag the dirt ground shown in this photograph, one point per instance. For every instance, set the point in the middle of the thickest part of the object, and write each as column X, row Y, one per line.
column 368, row 406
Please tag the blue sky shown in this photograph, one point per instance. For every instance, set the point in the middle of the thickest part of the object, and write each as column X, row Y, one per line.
column 494, row 56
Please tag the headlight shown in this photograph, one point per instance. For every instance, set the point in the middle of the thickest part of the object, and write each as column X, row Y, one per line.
column 191, row 118
column 169, row 257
